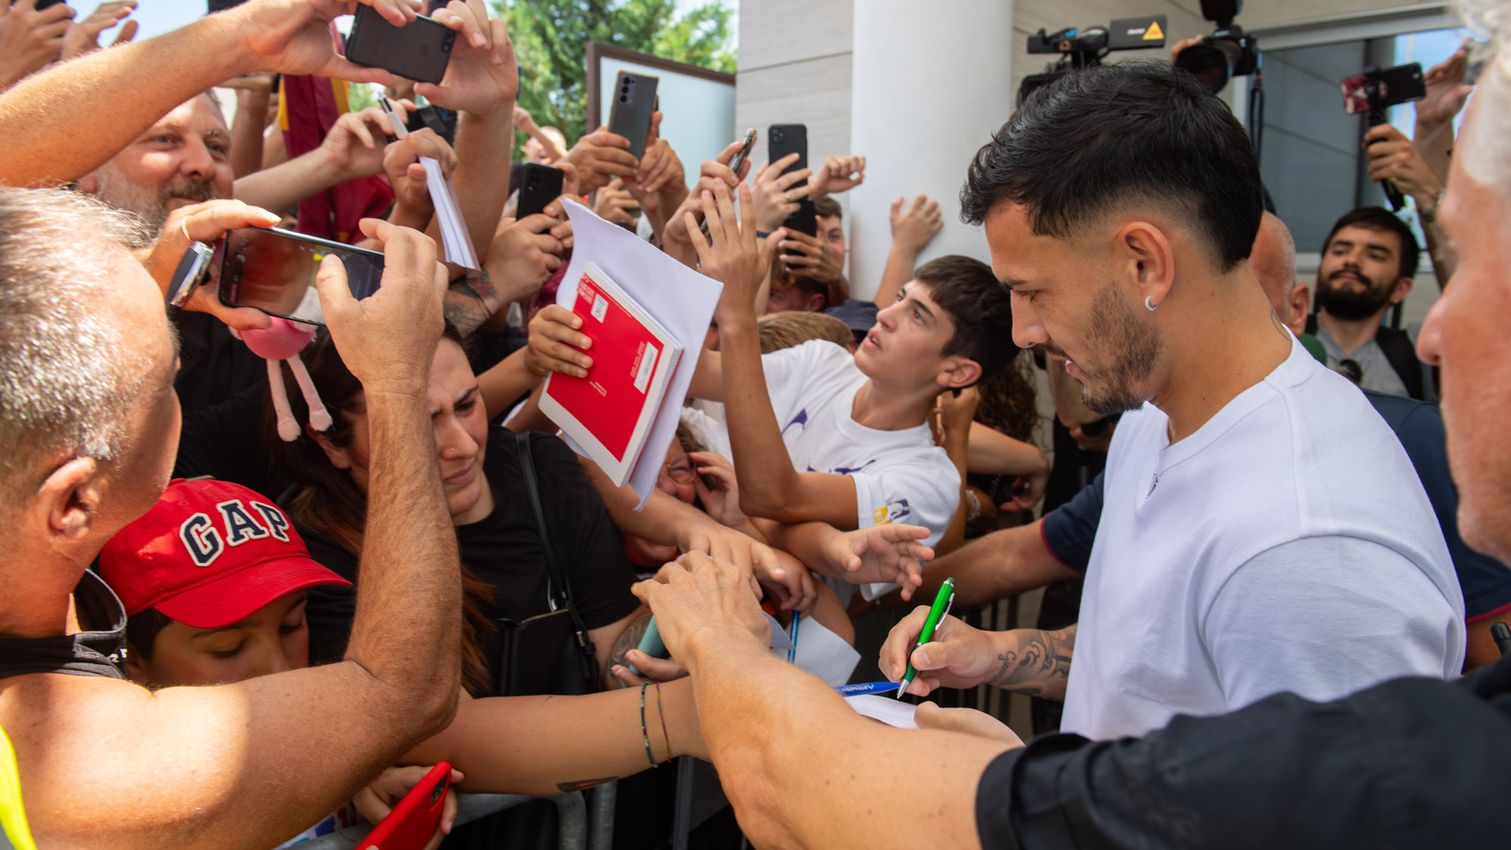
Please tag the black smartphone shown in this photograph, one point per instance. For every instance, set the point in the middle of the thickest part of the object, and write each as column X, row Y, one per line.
column 274, row 270
column 630, row 114
column 538, row 185
column 419, row 51
column 437, row 118
column 47, row 4
column 782, row 140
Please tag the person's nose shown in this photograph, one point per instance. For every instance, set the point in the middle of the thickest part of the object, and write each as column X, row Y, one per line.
column 1430, row 339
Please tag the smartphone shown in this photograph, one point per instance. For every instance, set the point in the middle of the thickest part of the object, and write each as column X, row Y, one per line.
column 782, row 140
column 418, row 51
column 46, row 4
column 630, row 114
column 413, row 822
column 274, row 270
column 214, row 5
column 437, row 118
column 190, row 272
column 737, row 161
column 538, row 185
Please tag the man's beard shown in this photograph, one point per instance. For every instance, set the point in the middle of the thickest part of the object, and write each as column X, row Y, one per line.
column 1349, row 304
column 151, row 207
column 1135, row 343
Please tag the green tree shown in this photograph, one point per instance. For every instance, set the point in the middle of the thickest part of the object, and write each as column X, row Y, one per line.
column 551, row 40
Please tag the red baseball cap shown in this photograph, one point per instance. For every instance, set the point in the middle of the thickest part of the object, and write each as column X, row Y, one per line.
column 209, row 554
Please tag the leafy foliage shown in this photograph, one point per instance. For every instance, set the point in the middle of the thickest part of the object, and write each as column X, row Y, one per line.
column 551, row 39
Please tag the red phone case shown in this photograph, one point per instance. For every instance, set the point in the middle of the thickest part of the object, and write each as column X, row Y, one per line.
column 415, row 819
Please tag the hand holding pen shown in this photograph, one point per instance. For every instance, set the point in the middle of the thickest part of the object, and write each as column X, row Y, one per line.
column 952, row 655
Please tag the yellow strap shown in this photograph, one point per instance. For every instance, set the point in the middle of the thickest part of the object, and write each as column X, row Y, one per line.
column 12, row 815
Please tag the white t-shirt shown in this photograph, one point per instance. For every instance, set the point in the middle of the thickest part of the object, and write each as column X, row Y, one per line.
column 1287, row 545
column 900, row 476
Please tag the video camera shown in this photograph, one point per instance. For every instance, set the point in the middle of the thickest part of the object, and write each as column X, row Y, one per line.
column 1085, row 48
column 1373, row 92
column 1224, row 54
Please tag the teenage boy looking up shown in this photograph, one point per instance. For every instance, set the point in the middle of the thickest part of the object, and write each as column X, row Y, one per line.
column 820, row 435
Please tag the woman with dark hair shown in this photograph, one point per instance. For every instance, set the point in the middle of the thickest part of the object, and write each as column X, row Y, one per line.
column 501, row 542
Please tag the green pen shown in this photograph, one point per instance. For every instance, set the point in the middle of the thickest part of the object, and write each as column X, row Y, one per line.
column 937, row 612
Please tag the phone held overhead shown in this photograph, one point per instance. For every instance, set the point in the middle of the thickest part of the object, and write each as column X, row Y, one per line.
column 274, row 270
column 784, row 140
column 630, row 113
column 418, row 51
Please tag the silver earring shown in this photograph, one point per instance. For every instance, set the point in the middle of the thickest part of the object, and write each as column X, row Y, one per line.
column 1150, row 305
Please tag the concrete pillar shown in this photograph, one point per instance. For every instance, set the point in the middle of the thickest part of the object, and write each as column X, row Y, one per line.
column 930, row 82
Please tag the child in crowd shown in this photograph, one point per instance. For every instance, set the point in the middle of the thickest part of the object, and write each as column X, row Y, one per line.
column 214, row 580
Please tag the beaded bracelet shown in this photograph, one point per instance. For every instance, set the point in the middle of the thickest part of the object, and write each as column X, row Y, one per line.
column 665, row 734
column 644, row 735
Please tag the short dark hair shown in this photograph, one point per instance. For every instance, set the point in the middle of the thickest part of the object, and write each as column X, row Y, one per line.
column 1379, row 218
column 1118, row 133
column 979, row 305
column 827, row 207
column 141, row 631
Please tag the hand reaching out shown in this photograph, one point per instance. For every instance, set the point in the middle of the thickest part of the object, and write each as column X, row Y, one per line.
column 883, row 554
column 206, row 222
column 482, row 76
column 30, row 40
column 838, row 174
column 355, row 143
column 915, row 227
column 614, row 203
column 1393, row 157
column 1446, row 92
column 810, row 257
column 522, row 256
column 731, row 254
column 84, row 36
column 376, row 800
column 401, row 162
column 776, row 194
column 599, row 157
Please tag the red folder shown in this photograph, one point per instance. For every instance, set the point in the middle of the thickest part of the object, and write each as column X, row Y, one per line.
column 609, row 412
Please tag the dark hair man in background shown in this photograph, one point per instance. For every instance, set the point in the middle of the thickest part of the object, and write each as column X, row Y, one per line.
column 1368, row 263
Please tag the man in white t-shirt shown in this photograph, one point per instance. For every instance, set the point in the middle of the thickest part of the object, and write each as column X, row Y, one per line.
column 820, row 435
column 1263, row 530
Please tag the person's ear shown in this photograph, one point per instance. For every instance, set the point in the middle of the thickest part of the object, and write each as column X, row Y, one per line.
column 1403, row 287
column 959, row 372
column 88, row 184
column 1301, row 302
column 1145, row 257
column 137, row 667
column 814, row 303
column 67, row 504
column 339, row 456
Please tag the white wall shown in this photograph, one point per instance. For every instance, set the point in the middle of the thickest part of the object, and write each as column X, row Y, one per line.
column 927, row 91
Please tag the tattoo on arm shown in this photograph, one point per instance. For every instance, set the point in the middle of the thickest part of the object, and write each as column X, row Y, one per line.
column 629, row 638
column 1039, row 663
column 468, row 305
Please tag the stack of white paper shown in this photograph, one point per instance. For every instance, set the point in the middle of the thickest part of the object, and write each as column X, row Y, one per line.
column 456, row 242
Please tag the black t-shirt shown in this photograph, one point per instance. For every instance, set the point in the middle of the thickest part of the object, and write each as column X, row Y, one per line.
column 213, row 365
column 1408, row 763
column 504, row 549
column 224, row 441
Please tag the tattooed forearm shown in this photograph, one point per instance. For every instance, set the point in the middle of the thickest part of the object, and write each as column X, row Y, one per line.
column 1037, row 663
column 628, row 639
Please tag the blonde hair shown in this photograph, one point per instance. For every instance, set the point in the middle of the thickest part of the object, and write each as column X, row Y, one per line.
column 785, row 330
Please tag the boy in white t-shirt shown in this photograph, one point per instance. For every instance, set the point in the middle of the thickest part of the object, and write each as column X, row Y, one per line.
column 820, row 435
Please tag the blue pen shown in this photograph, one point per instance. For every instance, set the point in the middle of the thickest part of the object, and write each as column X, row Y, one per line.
column 792, row 637
column 866, row 688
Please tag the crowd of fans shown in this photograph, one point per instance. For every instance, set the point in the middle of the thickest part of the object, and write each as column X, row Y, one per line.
column 235, row 615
